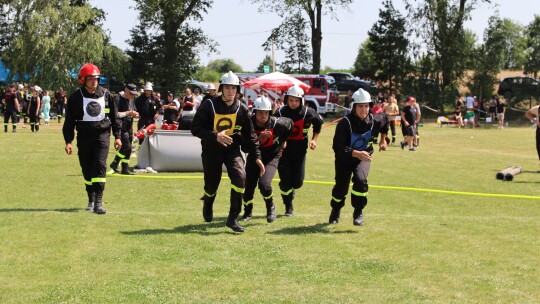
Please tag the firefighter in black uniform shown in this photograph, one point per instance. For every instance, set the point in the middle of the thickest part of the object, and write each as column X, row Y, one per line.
column 223, row 125
column 126, row 112
column 91, row 111
column 147, row 105
column 23, row 104
column 170, row 109
column 211, row 93
column 34, row 108
column 353, row 147
column 272, row 133
column 11, row 110
column 292, row 164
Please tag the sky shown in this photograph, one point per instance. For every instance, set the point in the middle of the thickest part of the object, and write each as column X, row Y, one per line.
column 240, row 30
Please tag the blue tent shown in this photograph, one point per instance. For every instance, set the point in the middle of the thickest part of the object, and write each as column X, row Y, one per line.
column 4, row 72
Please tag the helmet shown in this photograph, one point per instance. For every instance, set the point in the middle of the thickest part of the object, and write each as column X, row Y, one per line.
column 37, row 88
column 411, row 99
column 88, row 70
column 20, row 86
column 262, row 103
column 230, row 79
column 148, row 87
column 360, row 96
column 211, row 87
column 294, row 91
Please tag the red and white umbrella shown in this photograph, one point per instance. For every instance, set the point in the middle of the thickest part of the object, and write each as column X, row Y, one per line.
column 276, row 81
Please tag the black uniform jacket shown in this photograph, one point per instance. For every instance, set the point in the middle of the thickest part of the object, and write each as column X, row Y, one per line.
column 244, row 133
column 147, row 106
column 124, row 105
column 75, row 113
column 311, row 119
column 342, row 138
column 281, row 129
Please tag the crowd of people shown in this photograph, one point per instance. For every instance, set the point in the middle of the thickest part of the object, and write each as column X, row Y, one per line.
column 273, row 134
column 469, row 111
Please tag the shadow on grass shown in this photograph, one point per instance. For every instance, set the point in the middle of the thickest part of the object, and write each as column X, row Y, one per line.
column 68, row 210
column 216, row 227
column 317, row 228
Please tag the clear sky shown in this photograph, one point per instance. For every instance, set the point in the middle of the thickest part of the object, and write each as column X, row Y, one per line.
column 240, row 30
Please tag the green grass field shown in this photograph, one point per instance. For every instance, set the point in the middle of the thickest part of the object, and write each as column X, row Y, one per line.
column 154, row 247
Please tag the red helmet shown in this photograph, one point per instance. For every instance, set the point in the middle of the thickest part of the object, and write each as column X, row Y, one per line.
column 88, row 70
column 411, row 99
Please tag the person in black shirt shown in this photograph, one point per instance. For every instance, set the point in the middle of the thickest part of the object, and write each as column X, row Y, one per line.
column 34, row 108
column 61, row 100
column 353, row 147
column 170, row 109
column 292, row 164
column 147, row 105
column 11, row 110
column 272, row 133
column 91, row 111
column 223, row 125
column 211, row 89
column 126, row 112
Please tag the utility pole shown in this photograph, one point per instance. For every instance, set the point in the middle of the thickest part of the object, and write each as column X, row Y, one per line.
column 273, row 57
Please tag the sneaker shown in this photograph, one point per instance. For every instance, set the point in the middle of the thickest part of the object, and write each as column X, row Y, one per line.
column 401, row 145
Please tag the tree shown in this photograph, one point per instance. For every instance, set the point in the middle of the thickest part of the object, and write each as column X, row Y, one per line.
column 266, row 61
column 515, row 43
column 165, row 48
column 364, row 65
column 314, row 10
column 291, row 37
column 52, row 39
column 224, row 65
column 389, row 45
column 532, row 64
column 439, row 28
column 490, row 58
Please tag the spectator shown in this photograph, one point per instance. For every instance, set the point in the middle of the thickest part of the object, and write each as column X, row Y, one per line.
column 347, row 103
column 46, row 110
column 392, row 110
column 458, row 117
column 501, row 109
column 61, row 101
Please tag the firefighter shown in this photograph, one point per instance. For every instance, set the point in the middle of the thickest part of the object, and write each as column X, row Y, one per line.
column 291, row 166
column 12, row 109
column 23, row 104
column 272, row 133
column 211, row 93
column 353, row 147
column 147, row 105
column 61, row 101
column 34, row 108
column 91, row 111
column 223, row 125
column 126, row 112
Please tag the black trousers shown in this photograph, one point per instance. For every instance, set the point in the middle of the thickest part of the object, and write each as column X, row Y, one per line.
column 359, row 172
column 264, row 182
column 34, row 121
column 392, row 124
column 59, row 109
column 10, row 114
column 93, row 149
column 538, row 142
column 125, row 152
column 292, row 169
column 234, row 162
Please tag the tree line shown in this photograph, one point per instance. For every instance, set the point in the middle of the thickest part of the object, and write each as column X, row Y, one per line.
column 50, row 40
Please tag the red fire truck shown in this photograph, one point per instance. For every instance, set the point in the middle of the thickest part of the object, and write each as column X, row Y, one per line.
column 322, row 97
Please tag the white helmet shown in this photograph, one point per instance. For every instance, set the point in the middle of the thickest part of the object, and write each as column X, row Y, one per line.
column 360, row 96
column 229, row 79
column 37, row 88
column 262, row 104
column 148, row 87
column 210, row 87
column 20, row 86
column 294, row 91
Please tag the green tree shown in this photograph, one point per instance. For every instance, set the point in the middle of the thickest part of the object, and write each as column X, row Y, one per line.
column 490, row 58
column 165, row 48
column 365, row 65
column 52, row 39
column 532, row 64
column 224, row 65
column 291, row 37
column 266, row 61
column 314, row 9
column 389, row 46
column 515, row 43
column 438, row 25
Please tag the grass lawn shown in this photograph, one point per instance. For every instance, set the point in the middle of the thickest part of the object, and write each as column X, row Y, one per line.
column 154, row 247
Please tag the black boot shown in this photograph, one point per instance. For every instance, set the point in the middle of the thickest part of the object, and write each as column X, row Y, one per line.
column 207, row 211
column 289, row 208
column 59, row 119
column 236, row 207
column 98, row 205
column 14, row 129
column 5, row 128
column 248, row 212
column 91, row 198
column 114, row 164
column 358, row 217
column 336, row 211
column 125, row 169
column 270, row 210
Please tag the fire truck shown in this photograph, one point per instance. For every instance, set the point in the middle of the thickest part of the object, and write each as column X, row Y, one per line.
column 322, row 97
